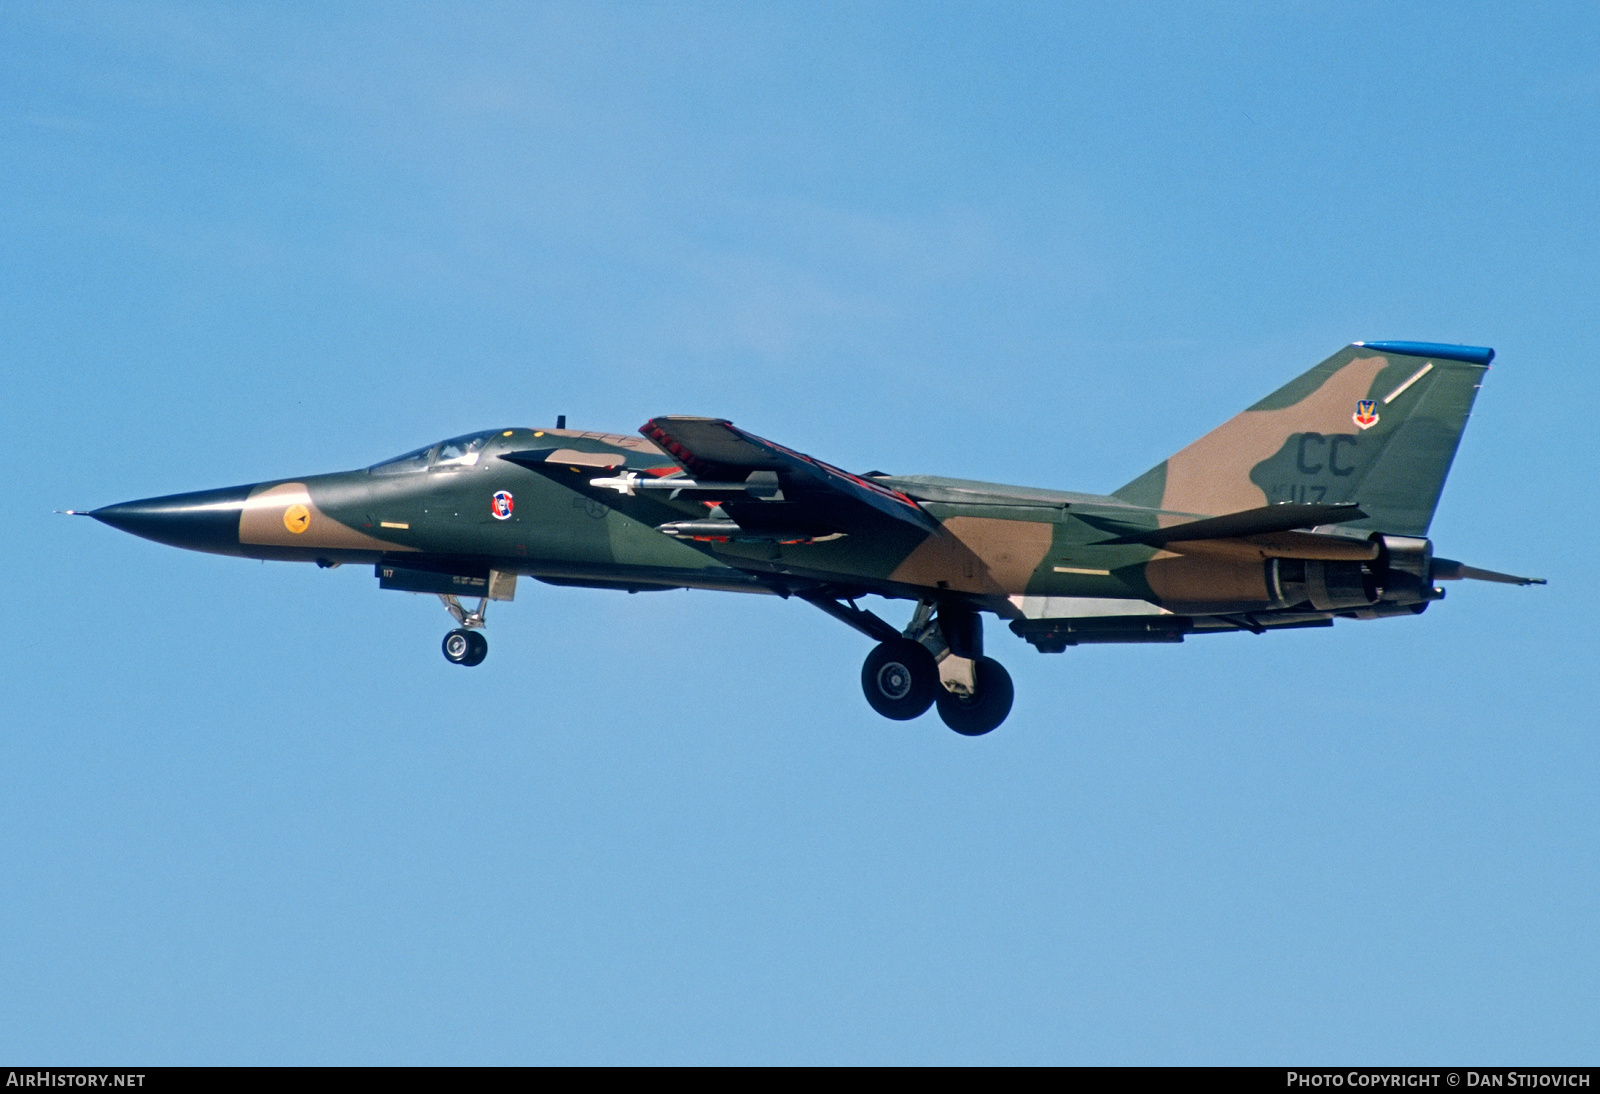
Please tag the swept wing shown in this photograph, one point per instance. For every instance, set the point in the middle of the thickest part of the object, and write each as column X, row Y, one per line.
column 764, row 487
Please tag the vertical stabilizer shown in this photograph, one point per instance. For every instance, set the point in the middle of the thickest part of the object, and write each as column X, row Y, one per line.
column 1375, row 424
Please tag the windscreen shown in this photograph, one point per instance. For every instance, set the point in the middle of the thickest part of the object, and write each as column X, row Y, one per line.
column 401, row 465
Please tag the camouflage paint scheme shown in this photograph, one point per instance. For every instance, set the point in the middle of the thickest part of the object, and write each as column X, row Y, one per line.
column 1326, row 489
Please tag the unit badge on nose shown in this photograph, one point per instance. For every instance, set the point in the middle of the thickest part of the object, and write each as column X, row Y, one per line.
column 501, row 504
column 1366, row 415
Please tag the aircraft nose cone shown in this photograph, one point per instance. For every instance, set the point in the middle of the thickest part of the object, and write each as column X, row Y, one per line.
column 207, row 520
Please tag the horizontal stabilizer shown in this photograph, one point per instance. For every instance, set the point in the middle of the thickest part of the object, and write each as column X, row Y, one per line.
column 1251, row 522
column 1448, row 569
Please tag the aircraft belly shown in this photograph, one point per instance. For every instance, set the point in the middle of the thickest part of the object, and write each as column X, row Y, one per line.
column 716, row 578
column 1082, row 607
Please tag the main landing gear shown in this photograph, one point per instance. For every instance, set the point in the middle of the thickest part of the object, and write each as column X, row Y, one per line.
column 904, row 676
column 465, row 645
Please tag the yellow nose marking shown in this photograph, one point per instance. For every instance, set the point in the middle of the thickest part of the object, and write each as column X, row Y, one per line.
column 297, row 518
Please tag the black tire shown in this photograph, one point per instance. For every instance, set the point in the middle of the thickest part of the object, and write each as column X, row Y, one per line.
column 480, row 649
column 900, row 679
column 458, row 647
column 977, row 714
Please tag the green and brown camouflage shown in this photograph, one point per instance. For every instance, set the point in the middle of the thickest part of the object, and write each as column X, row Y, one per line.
column 1312, row 504
column 1308, row 442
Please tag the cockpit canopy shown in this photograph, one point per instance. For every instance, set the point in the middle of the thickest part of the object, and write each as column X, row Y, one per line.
column 457, row 452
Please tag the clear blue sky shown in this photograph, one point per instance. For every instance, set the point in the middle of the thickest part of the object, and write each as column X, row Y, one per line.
column 249, row 814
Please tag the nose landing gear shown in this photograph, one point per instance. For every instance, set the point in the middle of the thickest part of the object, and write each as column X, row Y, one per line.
column 465, row 645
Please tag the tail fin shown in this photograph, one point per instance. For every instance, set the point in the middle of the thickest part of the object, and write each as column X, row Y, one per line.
column 1376, row 424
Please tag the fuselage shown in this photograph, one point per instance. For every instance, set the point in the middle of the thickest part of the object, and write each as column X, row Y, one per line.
column 459, row 500
column 525, row 502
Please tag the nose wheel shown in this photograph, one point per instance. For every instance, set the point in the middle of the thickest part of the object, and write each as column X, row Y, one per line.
column 464, row 647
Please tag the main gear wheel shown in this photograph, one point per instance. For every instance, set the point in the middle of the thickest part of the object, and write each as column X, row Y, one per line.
column 900, row 679
column 976, row 714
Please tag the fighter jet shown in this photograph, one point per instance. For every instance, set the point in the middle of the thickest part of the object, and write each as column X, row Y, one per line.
column 1310, row 506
